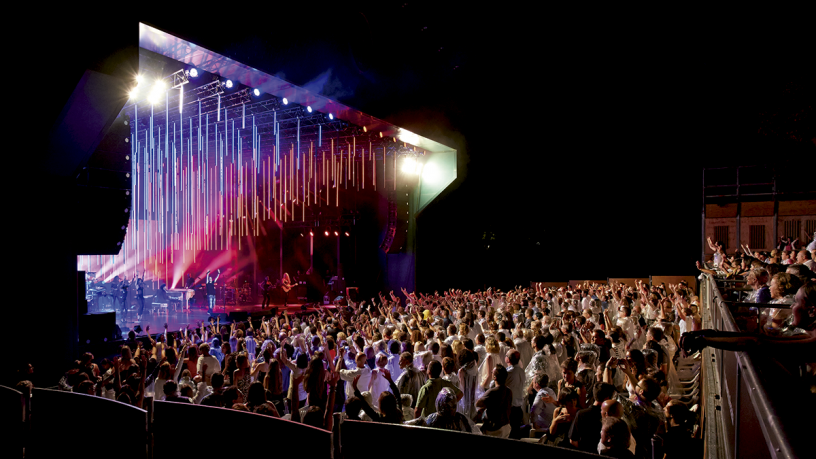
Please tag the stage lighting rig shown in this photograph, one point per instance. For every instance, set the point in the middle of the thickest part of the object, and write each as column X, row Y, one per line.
column 179, row 79
column 192, row 73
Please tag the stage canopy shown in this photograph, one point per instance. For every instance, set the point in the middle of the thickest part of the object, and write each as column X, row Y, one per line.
column 219, row 149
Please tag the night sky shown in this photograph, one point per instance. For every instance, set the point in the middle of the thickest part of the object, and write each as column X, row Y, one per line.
column 581, row 139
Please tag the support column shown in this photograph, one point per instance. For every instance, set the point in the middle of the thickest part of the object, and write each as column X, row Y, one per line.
column 280, row 256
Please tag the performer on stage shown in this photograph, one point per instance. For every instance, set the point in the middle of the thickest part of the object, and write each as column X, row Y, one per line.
column 124, row 295
column 140, row 294
column 266, row 286
column 189, row 283
column 114, row 291
column 286, row 285
column 211, row 291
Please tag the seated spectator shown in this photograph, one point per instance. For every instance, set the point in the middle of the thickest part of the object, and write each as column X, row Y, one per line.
column 615, row 439
column 171, row 393
column 445, row 415
column 544, row 404
column 563, row 418
column 496, row 404
column 427, row 395
column 585, row 431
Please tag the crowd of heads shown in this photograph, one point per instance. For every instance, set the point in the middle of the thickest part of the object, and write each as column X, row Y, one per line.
column 452, row 360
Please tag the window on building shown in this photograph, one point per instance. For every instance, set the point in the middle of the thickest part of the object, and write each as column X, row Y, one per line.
column 810, row 227
column 793, row 229
column 757, row 236
column 721, row 235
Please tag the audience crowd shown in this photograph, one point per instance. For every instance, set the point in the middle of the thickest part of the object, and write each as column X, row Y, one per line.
column 591, row 367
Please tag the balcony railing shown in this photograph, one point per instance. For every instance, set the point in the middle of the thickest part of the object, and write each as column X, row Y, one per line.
column 740, row 419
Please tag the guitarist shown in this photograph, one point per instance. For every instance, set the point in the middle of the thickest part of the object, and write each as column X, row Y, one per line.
column 286, row 285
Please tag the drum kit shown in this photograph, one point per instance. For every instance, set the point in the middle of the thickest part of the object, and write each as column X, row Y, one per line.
column 233, row 295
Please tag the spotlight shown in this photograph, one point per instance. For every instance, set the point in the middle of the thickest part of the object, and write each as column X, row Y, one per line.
column 285, row 101
column 347, row 233
column 326, row 233
column 134, row 92
column 309, row 108
column 155, row 93
column 331, row 117
column 229, row 84
column 411, row 166
column 408, row 165
column 257, row 92
column 311, row 233
column 301, row 234
column 193, row 73
column 139, row 80
column 336, row 234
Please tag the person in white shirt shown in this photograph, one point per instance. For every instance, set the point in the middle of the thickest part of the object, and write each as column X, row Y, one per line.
column 479, row 349
column 523, row 346
column 378, row 383
column 515, row 382
column 207, row 365
column 393, row 360
column 803, row 258
column 348, row 375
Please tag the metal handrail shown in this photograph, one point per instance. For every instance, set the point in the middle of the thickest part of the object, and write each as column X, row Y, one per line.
column 744, row 374
column 760, row 305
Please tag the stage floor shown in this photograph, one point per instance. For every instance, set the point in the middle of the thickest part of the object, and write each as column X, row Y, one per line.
column 179, row 319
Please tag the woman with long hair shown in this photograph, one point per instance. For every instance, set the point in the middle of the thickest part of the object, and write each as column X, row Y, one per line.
column 315, row 382
column 492, row 358
column 192, row 359
column 241, row 376
column 256, row 396
column 273, row 384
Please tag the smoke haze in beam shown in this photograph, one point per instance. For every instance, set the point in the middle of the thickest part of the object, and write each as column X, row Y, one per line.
column 328, row 85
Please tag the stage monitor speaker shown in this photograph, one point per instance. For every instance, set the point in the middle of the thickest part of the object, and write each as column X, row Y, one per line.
column 238, row 316
column 216, row 315
column 96, row 328
column 262, row 313
column 82, row 302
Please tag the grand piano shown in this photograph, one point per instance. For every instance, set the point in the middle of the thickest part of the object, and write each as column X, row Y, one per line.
column 180, row 298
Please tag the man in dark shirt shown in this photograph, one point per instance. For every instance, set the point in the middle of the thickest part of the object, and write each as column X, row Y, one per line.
column 171, row 393
column 216, row 398
column 497, row 402
column 211, row 291
column 586, row 428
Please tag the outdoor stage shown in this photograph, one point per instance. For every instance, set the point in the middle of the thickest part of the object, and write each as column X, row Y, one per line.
column 179, row 319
